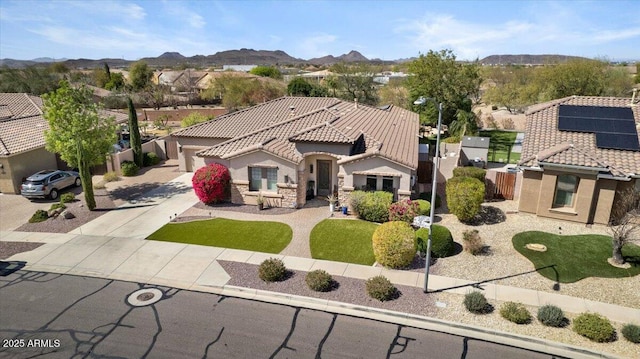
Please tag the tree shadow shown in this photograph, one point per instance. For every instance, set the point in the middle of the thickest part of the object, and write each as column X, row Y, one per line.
column 145, row 192
column 478, row 285
column 488, row 215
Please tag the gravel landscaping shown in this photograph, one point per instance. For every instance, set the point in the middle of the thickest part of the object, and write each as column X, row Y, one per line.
column 412, row 300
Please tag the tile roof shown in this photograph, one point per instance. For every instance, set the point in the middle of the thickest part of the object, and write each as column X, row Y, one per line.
column 544, row 143
column 390, row 133
column 23, row 129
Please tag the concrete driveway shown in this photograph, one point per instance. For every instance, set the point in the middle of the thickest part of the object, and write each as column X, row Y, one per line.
column 16, row 210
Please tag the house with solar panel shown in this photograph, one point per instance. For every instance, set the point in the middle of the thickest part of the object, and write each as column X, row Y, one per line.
column 577, row 155
column 293, row 148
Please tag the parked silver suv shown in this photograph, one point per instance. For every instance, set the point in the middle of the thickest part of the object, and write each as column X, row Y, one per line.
column 48, row 183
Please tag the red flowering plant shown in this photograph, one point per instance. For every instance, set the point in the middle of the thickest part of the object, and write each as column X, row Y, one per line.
column 404, row 211
column 211, row 183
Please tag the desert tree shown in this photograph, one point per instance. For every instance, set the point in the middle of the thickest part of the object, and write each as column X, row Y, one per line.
column 134, row 133
column 77, row 132
column 624, row 223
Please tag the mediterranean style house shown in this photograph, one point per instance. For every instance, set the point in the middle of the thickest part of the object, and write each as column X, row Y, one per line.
column 578, row 153
column 294, row 148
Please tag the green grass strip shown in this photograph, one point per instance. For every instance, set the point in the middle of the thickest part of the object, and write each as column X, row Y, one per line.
column 569, row 259
column 343, row 240
column 258, row 236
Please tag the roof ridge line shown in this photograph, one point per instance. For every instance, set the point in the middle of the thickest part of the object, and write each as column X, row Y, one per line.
column 34, row 104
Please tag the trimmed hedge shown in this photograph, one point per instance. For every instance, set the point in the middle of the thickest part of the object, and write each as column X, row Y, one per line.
column 476, row 302
column 394, row 244
column 380, row 288
column 464, row 197
column 372, row 206
column 272, row 270
column 424, row 207
column 67, row 197
column 473, row 172
column 551, row 316
column 319, row 280
column 631, row 332
column 129, row 168
column 515, row 313
column 594, row 327
column 427, row 197
column 150, row 159
column 441, row 241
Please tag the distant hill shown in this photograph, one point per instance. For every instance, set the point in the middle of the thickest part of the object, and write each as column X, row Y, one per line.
column 266, row 57
column 527, row 59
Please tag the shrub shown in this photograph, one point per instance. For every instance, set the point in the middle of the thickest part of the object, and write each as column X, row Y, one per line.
column 193, row 118
column 99, row 185
column 129, row 168
column 404, row 211
column 473, row 172
column 55, row 206
column 67, row 197
column 631, row 332
column 594, row 327
column 464, row 197
column 472, row 243
column 110, row 176
column 508, row 124
column 475, row 302
column 424, row 207
column 515, row 312
column 272, row 270
column 380, row 288
column 319, row 280
column 441, row 241
column 427, row 197
column 150, row 159
column 212, row 183
column 551, row 316
column 394, row 244
column 39, row 216
column 372, row 206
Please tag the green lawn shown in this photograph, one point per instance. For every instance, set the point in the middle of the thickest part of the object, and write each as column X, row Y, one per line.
column 500, row 141
column 575, row 257
column 343, row 240
column 259, row 236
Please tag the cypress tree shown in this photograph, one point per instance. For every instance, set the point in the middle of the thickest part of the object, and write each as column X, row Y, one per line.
column 134, row 134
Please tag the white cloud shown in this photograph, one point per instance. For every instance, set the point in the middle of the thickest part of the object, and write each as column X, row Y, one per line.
column 125, row 9
column 317, row 45
column 183, row 14
column 615, row 35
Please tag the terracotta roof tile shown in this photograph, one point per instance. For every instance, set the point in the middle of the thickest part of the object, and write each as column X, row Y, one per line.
column 391, row 133
column 575, row 148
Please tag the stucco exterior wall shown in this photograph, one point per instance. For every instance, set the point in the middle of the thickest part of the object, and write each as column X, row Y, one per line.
column 187, row 148
column 377, row 165
column 530, row 191
column 605, row 193
column 338, row 149
column 16, row 167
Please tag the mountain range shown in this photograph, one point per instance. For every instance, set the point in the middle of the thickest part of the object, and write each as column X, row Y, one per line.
column 262, row 57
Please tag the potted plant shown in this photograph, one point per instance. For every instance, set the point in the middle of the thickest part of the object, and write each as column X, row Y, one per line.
column 332, row 202
column 260, row 202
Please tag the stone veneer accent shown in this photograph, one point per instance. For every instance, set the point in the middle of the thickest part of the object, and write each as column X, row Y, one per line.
column 289, row 194
column 402, row 195
column 237, row 191
column 302, row 188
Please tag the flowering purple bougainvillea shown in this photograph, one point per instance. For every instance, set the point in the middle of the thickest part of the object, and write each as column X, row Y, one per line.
column 211, row 183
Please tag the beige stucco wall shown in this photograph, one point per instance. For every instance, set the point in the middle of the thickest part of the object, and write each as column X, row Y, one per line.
column 312, row 160
column 379, row 165
column 17, row 167
column 187, row 148
column 530, row 191
column 338, row 149
column 592, row 203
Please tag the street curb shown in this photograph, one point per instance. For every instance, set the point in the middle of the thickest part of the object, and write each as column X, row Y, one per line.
column 416, row 321
column 382, row 315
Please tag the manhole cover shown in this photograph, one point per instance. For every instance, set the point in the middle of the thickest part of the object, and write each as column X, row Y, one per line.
column 145, row 296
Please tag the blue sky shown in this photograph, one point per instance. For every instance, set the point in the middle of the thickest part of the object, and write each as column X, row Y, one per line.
column 387, row 30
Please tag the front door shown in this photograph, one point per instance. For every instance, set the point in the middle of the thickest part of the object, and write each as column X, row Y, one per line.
column 324, row 178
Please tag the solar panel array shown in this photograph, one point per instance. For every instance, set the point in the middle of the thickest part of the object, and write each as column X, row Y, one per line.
column 615, row 127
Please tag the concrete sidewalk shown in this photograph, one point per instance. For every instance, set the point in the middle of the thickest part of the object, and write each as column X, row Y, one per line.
column 196, row 268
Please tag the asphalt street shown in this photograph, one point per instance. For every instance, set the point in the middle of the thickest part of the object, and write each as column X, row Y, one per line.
column 63, row 316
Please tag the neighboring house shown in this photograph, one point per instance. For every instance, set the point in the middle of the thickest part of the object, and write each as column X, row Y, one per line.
column 578, row 152
column 473, row 151
column 285, row 147
column 239, row 68
column 22, row 144
column 183, row 81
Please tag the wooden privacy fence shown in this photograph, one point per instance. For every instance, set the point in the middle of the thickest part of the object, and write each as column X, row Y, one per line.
column 502, row 187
